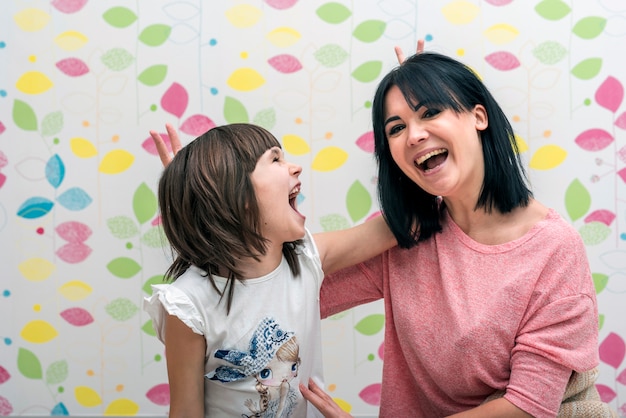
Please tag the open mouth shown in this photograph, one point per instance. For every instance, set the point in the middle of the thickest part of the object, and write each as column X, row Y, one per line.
column 430, row 161
column 293, row 195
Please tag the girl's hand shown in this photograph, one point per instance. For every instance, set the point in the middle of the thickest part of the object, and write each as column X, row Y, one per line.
column 164, row 153
column 400, row 55
column 322, row 401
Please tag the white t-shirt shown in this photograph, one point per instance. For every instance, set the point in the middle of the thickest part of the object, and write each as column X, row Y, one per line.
column 270, row 341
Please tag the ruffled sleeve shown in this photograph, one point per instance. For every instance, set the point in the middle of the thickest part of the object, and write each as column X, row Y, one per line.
column 167, row 299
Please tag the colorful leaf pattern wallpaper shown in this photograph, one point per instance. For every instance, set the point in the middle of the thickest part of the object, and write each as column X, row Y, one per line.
column 82, row 82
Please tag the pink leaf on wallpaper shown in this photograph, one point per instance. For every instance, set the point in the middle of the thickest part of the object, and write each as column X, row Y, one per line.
column 499, row 2
column 594, row 139
column 175, row 100
column 73, row 252
column 612, row 350
column 4, row 375
column 381, row 351
column 503, row 61
column 148, row 144
column 2, row 127
column 622, row 377
column 373, row 215
column 73, row 231
column 159, row 394
column 77, row 316
column 3, row 159
column 6, row 408
column 621, row 154
column 73, row 67
column 68, row 6
column 281, row 4
column 371, row 394
column 156, row 221
column 601, row 215
column 3, row 179
column 622, row 174
column 610, row 94
column 285, row 63
column 606, row 393
column 620, row 122
column 366, row 142
column 196, row 125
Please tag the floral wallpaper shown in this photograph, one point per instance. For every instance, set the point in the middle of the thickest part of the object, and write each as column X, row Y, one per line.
column 82, row 83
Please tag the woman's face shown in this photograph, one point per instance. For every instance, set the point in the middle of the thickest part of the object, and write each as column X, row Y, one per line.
column 439, row 149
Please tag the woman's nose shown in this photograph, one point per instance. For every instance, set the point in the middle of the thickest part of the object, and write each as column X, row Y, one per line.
column 295, row 169
column 416, row 134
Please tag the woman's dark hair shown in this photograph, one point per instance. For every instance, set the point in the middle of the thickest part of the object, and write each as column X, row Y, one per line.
column 442, row 82
column 209, row 208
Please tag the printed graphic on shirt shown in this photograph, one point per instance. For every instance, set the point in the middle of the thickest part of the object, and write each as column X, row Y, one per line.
column 273, row 358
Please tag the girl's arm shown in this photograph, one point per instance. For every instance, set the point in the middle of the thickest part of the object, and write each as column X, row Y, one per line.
column 185, row 353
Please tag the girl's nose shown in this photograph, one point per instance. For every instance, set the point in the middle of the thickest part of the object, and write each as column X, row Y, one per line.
column 295, row 169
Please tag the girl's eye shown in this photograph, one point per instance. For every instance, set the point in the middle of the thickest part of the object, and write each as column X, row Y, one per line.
column 265, row 374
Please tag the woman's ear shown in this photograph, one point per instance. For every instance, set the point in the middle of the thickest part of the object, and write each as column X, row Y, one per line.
column 480, row 114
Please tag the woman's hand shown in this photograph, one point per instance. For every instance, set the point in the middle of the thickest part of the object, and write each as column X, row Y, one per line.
column 164, row 153
column 400, row 55
column 322, row 401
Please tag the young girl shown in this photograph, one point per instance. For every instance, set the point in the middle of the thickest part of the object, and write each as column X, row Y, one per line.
column 241, row 318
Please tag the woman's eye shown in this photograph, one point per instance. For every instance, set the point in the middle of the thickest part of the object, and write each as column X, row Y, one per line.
column 429, row 113
column 395, row 129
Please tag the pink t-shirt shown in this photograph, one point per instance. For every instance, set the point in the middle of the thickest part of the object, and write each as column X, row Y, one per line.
column 464, row 319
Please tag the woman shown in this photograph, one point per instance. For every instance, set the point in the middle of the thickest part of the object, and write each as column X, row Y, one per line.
column 489, row 293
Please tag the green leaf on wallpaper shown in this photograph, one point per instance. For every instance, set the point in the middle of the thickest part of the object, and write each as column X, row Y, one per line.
column 371, row 324
column 147, row 286
column 119, row 17
column 552, row 9
column 24, row 116
column 577, row 200
column 153, row 75
column 28, row 364
column 155, row 237
column 145, row 203
column 600, row 321
column 594, row 233
column 334, row 222
column 368, row 71
column 117, row 59
column 331, row 55
column 52, row 123
column 549, row 52
column 123, row 267
column 589, row 27
column 358, row 201
column 600, row 281
column 587, row 69
column 57, row 372
column 122, row 227
column 234, row 111
column 148, row 328
column 370, row 30
column 333, row 12
column 155, row 35
column 265, row 118
column 121, row 309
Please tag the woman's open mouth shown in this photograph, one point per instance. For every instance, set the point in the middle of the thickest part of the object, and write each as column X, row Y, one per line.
column 430, row 161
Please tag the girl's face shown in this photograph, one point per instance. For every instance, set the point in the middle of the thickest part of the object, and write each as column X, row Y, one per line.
column 439, row 149
column 277, row 372
column 277, row 186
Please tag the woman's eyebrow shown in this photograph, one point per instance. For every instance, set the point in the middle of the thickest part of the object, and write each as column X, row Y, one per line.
column 391, row 119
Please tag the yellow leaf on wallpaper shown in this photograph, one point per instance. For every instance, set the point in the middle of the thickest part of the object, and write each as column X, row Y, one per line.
column 36, row 269
column 522, row 146
column 295, row 145
column 283, row 36
column 460, row 12
column 75, row 290
column 31, row 20
column 38, row 332
column 83, row 148
column 87, row 397
column 122, row 407
column 245, row 79
column 343, row 404
column 501, row 33
column 71, row 40
column 547, row 157
column 116, row 161
column 33, row 82
column 243, row 15
column 329, row 159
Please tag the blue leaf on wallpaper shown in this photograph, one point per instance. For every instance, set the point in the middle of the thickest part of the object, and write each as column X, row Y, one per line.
column 59, row 410
column 35, row 207
column 55, row 171
column 74, row 199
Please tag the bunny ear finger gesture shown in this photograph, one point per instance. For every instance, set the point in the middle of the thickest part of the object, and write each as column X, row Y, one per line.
column 159, row 142
column 400, row 55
